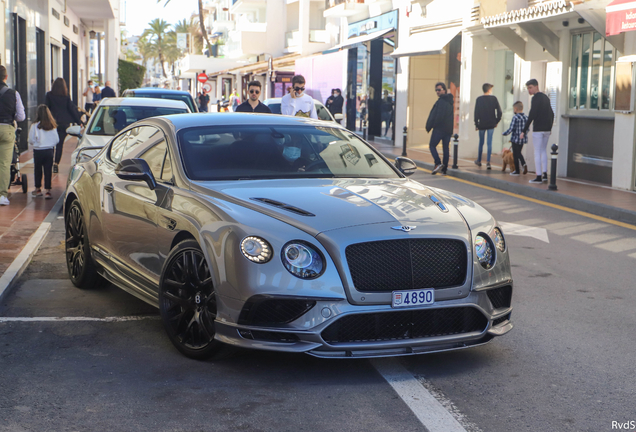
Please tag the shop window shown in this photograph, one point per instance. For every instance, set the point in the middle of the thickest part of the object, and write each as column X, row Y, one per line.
column 591, row 71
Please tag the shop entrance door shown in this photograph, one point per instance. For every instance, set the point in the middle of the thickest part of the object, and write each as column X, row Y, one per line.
column 504, row 78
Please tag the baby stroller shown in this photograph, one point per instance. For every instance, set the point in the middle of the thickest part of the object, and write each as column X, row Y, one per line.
column 18, row 179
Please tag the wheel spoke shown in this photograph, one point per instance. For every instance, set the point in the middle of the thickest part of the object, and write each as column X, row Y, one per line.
column 174, row 283
column 178, row 300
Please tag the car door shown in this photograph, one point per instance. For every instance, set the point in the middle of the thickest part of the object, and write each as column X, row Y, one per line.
column 131, row 217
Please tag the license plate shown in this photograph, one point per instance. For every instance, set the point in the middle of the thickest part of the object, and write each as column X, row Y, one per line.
column 412, row 298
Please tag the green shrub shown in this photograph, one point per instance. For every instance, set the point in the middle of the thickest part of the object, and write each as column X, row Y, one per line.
column 131, row 75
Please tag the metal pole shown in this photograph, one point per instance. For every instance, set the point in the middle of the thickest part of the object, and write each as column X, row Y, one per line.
column 364, row 130
column 553, row 168
column 404, row 143
column 455, row 149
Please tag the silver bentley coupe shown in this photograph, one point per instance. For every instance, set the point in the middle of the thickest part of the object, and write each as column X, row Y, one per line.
column 284, row 234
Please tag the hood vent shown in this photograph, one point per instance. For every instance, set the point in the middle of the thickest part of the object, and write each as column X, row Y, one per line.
column 283, row 206
column 439, row 204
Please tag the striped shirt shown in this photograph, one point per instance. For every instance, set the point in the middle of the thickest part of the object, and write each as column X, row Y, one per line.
column 516, row 128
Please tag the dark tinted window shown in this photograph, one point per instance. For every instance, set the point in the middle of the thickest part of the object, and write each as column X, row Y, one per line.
column 170, row 96
column 251, row 152
column 110, row 120
column 275, row 107
column 137, row 139
column 323, row 113
column 155, row 157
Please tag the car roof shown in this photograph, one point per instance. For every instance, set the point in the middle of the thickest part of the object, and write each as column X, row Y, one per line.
column 183, row 121
column 278, row 100
column 157, row 90
column 143, row 102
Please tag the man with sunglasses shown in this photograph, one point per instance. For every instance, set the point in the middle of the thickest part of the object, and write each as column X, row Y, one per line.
column 252, row 104
column 297, row 103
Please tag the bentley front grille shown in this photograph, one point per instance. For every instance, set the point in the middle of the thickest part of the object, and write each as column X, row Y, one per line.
column 392, row 265
column 407, row 324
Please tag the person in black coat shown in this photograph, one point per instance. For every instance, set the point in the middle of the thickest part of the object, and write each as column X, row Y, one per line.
column 108, row 91
column 440, row 120
column 335, row 102
column 64, row 112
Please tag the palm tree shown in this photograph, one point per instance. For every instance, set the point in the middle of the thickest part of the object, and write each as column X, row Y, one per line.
column 204, row 33
column 145, row 50
column 156, row 37
column 192, row 28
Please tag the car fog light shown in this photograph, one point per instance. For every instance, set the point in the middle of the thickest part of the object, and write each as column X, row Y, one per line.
column 499, row 240
column 302, row 260
column 485, row 251
column 256, row 249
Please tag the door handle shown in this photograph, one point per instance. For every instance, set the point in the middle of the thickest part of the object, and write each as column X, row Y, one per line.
column 109, row 187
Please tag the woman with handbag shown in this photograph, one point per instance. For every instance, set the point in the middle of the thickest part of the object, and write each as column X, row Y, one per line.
column 64, row 112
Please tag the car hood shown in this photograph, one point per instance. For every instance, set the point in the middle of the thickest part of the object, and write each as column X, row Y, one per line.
column 95, row 140
column 320, row 205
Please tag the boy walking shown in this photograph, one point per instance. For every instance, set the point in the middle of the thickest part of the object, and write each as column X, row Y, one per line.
column 516, row 128
column 487, row 117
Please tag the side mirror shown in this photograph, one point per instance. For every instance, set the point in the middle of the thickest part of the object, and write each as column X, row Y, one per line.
column 87, row 153
column 405, row 165
column 338, row 116
column 136, row 170
column 74, row 130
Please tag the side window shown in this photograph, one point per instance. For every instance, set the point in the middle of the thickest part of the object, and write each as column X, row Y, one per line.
column 166, row 175
column 140, row 136
column 117, row 147
column 155, row 156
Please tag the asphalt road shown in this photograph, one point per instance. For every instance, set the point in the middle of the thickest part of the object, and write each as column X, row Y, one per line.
column 568, row 365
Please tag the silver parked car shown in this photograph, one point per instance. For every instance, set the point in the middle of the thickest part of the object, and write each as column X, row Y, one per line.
column 114, row 114
column 285, row 234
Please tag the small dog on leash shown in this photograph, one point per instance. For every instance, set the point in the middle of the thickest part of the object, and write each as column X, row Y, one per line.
column 508, row 160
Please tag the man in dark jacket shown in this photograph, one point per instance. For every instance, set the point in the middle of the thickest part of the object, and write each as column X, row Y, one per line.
column 543, row 117
column 487, row 116
column 108, row 91
column 440, row 120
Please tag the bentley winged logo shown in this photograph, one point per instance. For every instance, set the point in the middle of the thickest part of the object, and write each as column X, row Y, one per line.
column 404, row 228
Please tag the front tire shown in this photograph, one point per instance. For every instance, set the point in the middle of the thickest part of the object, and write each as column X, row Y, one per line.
column 187, row 302
column 81, row 269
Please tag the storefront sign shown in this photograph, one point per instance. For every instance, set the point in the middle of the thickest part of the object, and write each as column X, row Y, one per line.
column 621, row 17
column 385, row 21
column 540, row 11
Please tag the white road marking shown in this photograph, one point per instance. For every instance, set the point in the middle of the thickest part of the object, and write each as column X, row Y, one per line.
column 525, row 231
column 428, row 410
column 619, row 245
column 595, row 238
column 68, row 319
column 578, row 229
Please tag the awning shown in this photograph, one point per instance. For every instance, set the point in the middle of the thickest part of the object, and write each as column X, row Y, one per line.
column 426, row 42
column 621, row 17
column 364, row 38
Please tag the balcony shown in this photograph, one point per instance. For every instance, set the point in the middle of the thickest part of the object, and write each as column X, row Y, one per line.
column 240, row 6
column 242, row 43
column 343, row 8
column 292, row 39
column 319, row 36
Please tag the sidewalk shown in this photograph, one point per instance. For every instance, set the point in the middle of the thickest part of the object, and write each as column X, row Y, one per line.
column 22, row 218
column 593, row 198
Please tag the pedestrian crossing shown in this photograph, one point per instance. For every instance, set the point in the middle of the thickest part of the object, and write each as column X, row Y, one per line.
column 593, row 234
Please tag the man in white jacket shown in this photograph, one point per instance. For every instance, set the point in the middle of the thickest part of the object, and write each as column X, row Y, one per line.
column 297, row 103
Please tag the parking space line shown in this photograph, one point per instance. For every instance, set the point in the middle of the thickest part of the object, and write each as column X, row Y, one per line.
column 75, row 319
column 429, row 411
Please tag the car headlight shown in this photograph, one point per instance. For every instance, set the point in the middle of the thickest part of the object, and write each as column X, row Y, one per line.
column 256, row 249
column 485, row 251
column 500, row 243
column 302, row 260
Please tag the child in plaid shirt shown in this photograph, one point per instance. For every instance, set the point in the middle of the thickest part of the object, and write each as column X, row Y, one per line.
column 516, row 127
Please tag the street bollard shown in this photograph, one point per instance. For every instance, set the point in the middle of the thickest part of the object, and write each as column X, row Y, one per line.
column 455, row 149
column 404, row 143
column 364, row 130
column 553, row 168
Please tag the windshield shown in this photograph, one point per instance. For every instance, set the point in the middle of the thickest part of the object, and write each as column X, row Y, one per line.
column 267, row 152
column 170, row 96
column 109, row 120
column 321, row 110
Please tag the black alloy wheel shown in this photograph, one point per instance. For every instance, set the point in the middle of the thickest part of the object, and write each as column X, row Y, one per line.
column 187, row 302
column 79, row 262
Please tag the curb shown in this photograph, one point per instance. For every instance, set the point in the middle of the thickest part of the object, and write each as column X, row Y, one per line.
column 553, row 197
column 21, row 262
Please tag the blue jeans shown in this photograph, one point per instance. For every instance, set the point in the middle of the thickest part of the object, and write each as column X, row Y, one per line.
column 481, row 143
column 436, row 137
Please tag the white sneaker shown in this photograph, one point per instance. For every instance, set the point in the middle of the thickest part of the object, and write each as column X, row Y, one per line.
column 4, row 201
